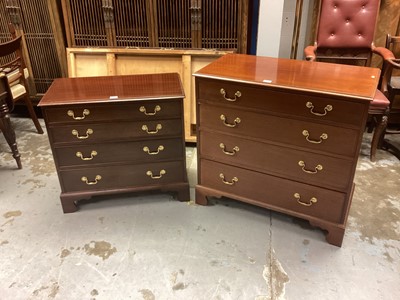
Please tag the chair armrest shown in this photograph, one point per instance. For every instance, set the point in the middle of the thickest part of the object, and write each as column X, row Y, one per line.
column 395, row 62
column 385, row 53
column 309, row 52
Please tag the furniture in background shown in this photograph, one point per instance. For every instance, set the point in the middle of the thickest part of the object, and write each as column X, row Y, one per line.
column 83, row 62
column 5, row 124
column 345, row 34
column 38, row 22
column 16, row 73
column 391, row 78
column 143, row 37
column 184, row 24
column 116, row 134
column 283, row 134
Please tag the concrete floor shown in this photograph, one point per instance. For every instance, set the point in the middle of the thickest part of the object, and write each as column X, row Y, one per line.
column 154, row 247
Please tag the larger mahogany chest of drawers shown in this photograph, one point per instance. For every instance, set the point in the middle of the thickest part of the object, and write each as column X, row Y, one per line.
column 116, row 134
column 282, row 134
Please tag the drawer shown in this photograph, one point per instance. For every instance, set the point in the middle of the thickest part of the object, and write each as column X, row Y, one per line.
column 313, row 136
column 139, row 110
column 123, row 176
column 311, row 168
column 89, row 133
column 269, row 191
column 135, row 151
column 294, row 103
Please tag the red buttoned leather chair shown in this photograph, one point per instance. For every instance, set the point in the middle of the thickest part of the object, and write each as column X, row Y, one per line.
column 345, row 34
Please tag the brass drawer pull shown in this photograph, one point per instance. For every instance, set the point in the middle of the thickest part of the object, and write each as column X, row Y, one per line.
column 302, row 164
column 147, row 150
column 82, row 137
column 150, row 173
column 238, row 94
column 96, row 180
column 235, row 122
column 92, row 155
column 234, row 179
column 156, row 109
column 323, row 136
column 158, row 127
column 311, row 202
column 85, row 113
column 234, row 150
column 326, row 109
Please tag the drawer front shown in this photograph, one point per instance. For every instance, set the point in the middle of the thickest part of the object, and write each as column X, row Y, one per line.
column 140, row 110
column 269, row 190
column 135, row 151
column 123, row 176
column 313, row 136
column 89, row 133
column 293, row 164
column 289, row 103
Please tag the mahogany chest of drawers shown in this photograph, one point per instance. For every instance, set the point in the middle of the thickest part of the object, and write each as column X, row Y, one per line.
column 282, row 134
column 116, row 134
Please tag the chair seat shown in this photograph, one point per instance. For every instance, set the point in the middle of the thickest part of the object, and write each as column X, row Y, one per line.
column 380, row 102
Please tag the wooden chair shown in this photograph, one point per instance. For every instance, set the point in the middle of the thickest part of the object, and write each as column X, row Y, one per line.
column 345, row 34
column 392, row 81
column 16, row 73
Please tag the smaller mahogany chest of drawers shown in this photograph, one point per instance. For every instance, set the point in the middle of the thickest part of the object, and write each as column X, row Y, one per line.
column 282, row 134
column 116, row 134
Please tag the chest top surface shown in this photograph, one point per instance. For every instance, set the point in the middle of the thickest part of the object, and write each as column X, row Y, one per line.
column 277, row 73
column 111, row 89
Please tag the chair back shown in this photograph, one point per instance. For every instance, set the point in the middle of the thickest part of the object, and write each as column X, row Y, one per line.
column 14, row 69
column 393, row 44
column 345, row 30
column 13, row 66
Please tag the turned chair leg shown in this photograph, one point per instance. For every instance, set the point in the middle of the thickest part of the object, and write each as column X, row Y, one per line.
column 378, row 134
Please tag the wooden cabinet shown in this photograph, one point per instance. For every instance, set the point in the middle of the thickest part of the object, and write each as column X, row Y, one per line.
column 116, row 134
column 39, row 22
column 183, row 24
column 282, row 134
column 101, row 62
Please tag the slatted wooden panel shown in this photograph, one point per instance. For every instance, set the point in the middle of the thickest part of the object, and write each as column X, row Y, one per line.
column 174, row 27
column 220, row 24
column 171, row 24
column 40, row 42
column 88, row 24
column 35, row 20
column 4, row 31
column 4, row 20
column 131, row 23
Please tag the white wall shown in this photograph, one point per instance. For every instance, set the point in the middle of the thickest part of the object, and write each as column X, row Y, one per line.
column 269, row 27
column 275, row 27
